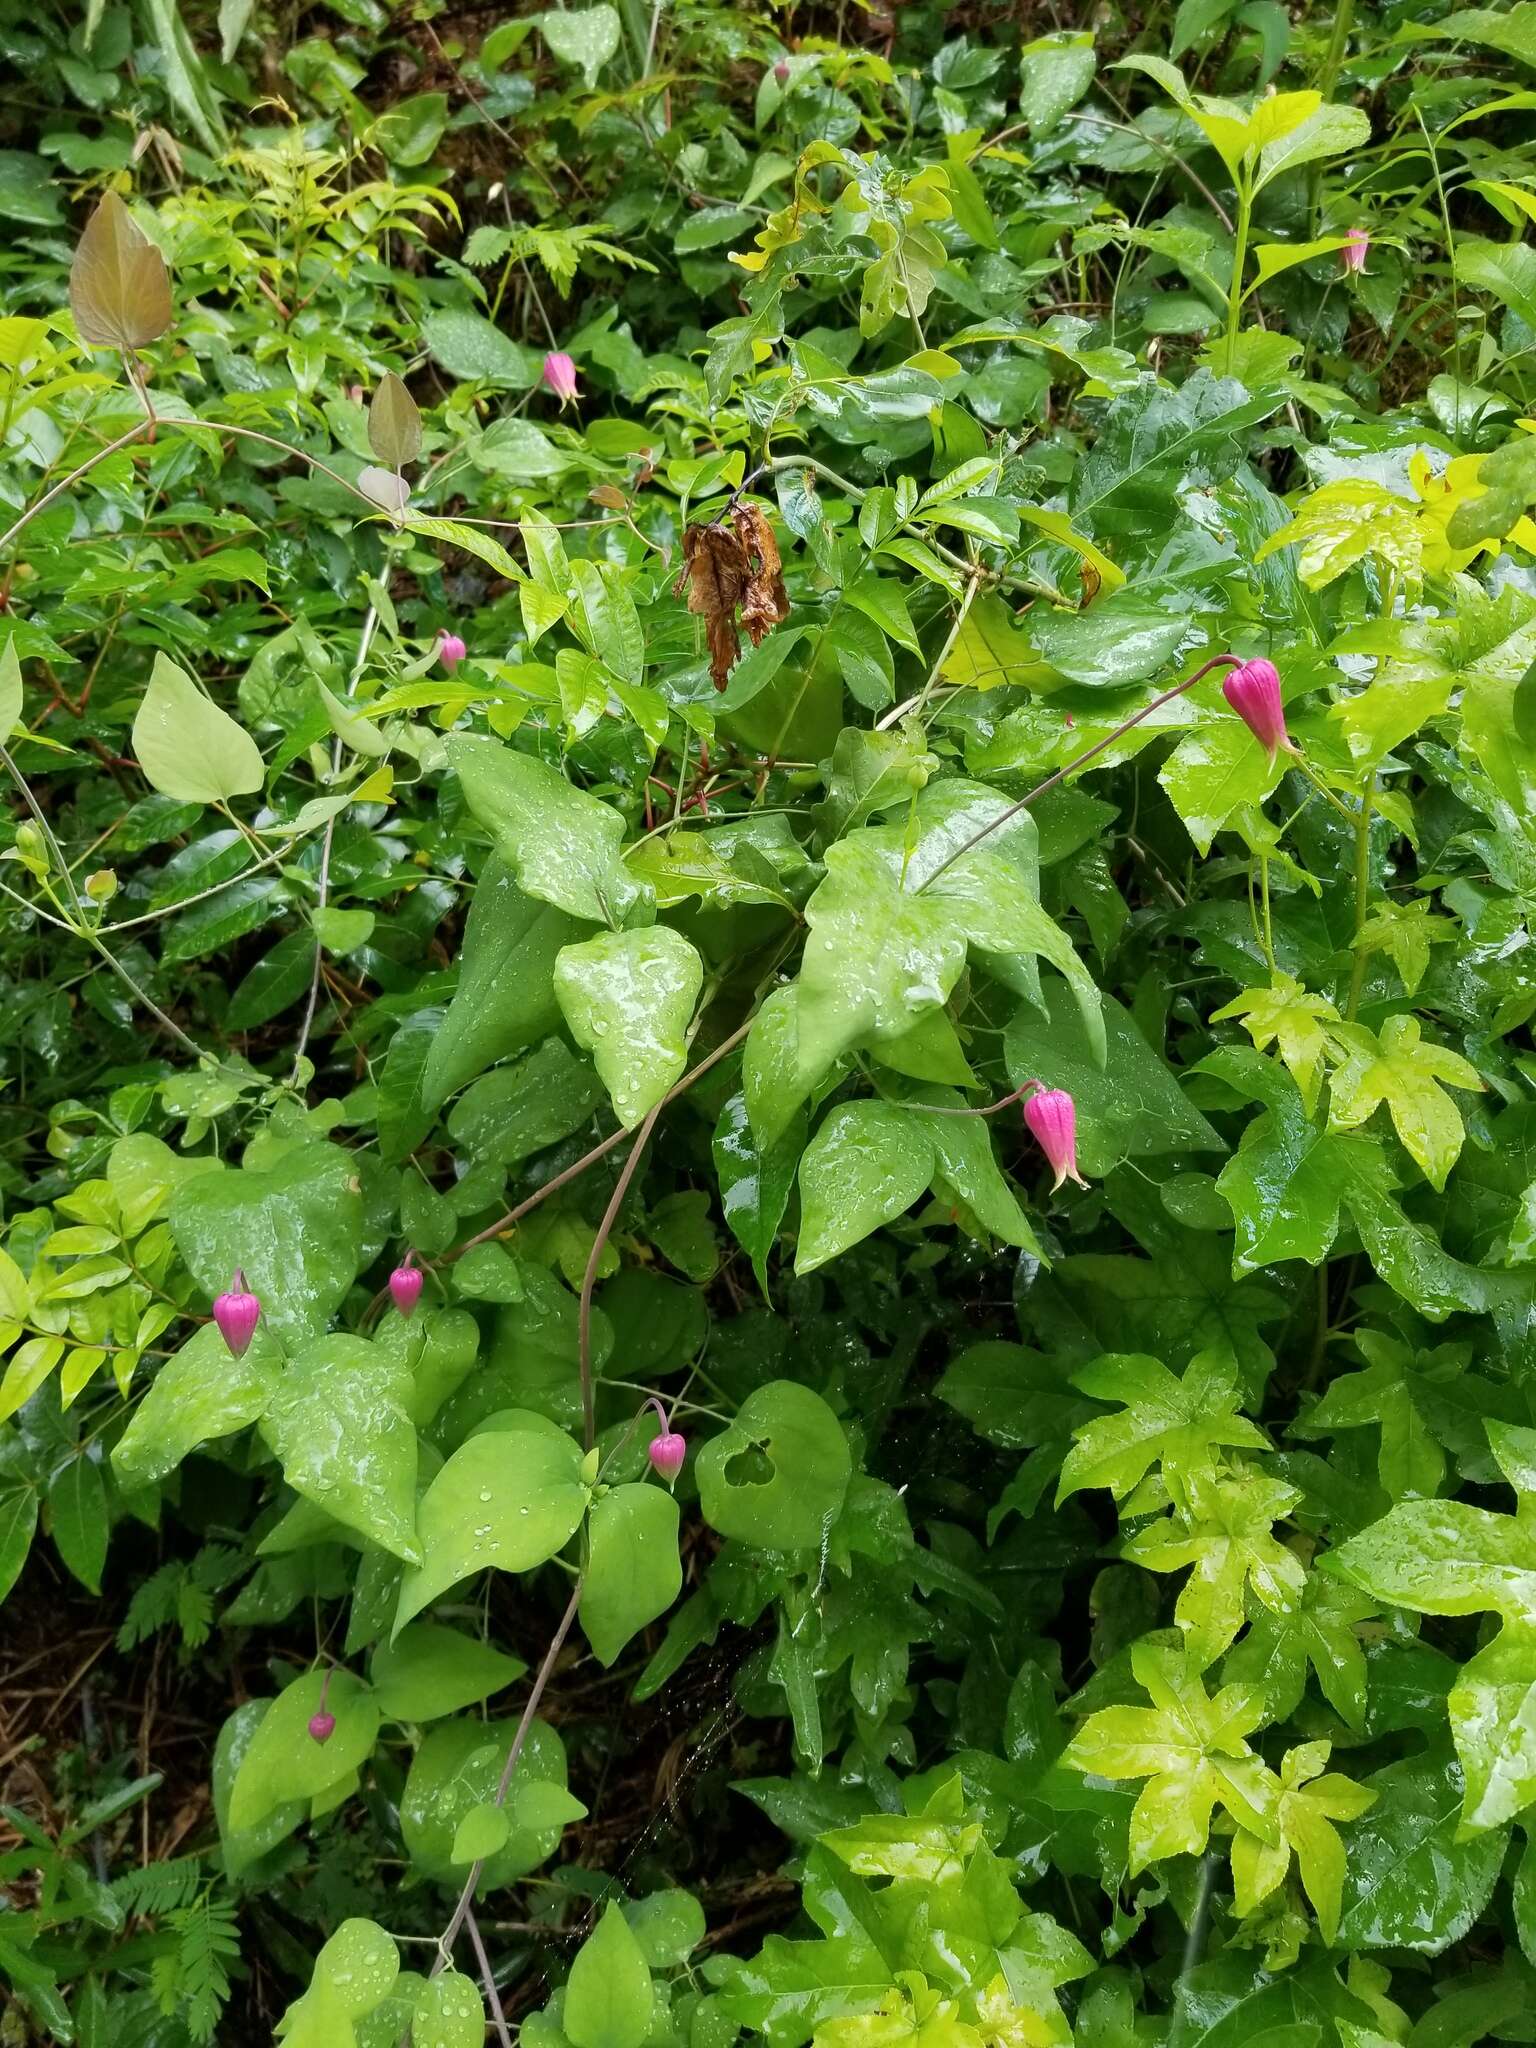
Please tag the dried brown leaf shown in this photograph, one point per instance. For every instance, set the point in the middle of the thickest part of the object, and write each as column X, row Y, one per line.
column 765, row 602
column 118, row 287
column 715, row 575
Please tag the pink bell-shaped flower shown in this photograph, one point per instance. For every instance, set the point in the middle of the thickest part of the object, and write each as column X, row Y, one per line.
column 405, row 1287
column 1357, row 246
column 237, row 1313
column 1052, row 1117
column 560, row 375
column 450, row 650
column 1253, row 691
column 322, row 1727
column 667, row 1453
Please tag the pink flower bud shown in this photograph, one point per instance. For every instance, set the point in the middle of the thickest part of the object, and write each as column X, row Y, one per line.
column 1357, row 245
column 781, row 71
column 322, row 1727
column 1052, row 1116
column 1253, row 691
column 667, row 1454
column 450, row 650
column 405, row 1288
column 560, row 375
column 237, row 1313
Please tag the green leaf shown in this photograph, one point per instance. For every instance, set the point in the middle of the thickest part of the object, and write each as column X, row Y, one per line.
column 586, row 37
column 187, row 747
column 755, row 1180
column 1402, row 1071
column 1214, row 771
column 10, row 688
column 505, row 1117
column 866, row 1165
column 668, row 1927
column 508, row 1498
column 482, row 1831
column 457, row 1768
column 429, row 1671
column 18, row 1524
column 201, row 1393
column 338, row 1420
column 777, row 1476
column 1014, row 1397
column 1054, row 73
column 633, row 1570
column 354, row 1973
column 505, row 999
column 628, row 998
column 561, row 845
column 608, row 1996
column 1412, row 1880
column 448, row 2013
column 77, row 1520
column 469, row 347
column 1192, row 1750
column 1129, row 1106
column 1177, row 1424
column 294, row 1229
column 284, row 1761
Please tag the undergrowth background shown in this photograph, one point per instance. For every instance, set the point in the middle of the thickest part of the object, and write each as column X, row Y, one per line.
column 558, row 572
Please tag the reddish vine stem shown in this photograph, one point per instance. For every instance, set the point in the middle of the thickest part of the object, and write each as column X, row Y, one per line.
column 589, row 1278
column 536, row 1693
column 487, row 1978
column 1081, row 761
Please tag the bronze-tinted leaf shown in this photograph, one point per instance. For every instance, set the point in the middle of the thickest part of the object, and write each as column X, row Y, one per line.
column 394, row 423
column 118, row 287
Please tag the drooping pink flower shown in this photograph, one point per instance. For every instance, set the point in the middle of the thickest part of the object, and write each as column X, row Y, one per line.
column 237, row 1313
column 450, row 650
column 1052, row 1117
column 1253, row 691
column 405, row 1287
column 560, row 375
column 781, row 71
column 667, row 1453
column 322, row 1727
column 1357, row 246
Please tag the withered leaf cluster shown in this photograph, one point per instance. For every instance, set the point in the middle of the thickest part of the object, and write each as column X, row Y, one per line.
column 729, row 569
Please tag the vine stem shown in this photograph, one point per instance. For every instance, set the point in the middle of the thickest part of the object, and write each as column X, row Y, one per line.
column 81, row 929
column 536, row 1693
column 323, row 884
column 135, row 432
column 487, row 1978
column 1081, row 761
column 1362, row 895
column 589, row 1278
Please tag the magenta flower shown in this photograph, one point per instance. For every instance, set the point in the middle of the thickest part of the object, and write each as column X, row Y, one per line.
column 781, row 71
column 405, row 1287
column 1052, row 1116
column 450, row 650
column 237, row 1313
column 1253, row 691
column 322, row 1727
column 1357, row 245
column 667, row 1453
column 560, row 375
